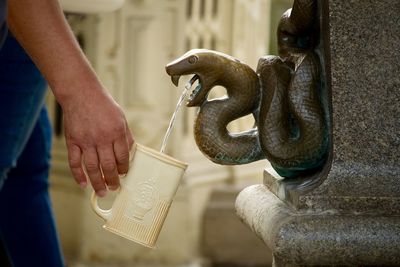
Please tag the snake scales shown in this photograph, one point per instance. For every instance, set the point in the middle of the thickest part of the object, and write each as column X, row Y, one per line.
column 283, row 96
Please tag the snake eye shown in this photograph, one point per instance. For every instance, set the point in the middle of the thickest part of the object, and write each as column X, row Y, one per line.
column 193, row 59
column 289, row 39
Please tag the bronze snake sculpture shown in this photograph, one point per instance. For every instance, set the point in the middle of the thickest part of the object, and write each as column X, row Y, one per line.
column 283, row 97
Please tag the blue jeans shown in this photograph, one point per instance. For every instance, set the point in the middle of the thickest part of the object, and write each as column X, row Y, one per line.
column 26, row 220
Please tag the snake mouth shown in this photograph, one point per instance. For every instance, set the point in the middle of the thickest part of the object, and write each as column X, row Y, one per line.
column 195, row 97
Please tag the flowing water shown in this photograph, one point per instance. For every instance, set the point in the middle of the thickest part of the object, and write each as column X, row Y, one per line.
column 173, row 118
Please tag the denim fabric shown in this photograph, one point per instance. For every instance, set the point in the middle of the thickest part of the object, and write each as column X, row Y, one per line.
column 26, row 220
column 3, row 24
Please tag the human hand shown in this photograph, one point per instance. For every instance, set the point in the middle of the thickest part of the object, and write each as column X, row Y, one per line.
column 97, row 135
column 98, row 139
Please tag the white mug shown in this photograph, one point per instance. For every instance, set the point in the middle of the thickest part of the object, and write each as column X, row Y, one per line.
column 146, row 193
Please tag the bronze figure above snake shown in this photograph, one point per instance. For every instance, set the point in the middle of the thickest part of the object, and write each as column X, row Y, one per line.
column 283, row 96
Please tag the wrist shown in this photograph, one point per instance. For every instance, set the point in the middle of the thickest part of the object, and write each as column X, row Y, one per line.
column 79, row 83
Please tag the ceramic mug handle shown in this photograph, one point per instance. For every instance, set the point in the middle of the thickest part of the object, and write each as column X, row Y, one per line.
column 104, row 214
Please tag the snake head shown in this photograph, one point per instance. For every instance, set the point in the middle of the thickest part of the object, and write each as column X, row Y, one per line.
column 296, row 35
column 203, row 64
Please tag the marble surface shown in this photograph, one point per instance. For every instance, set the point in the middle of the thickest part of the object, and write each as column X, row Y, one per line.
column 299, row 238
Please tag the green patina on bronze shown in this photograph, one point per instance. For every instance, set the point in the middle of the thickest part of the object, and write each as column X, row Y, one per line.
column 284, row 96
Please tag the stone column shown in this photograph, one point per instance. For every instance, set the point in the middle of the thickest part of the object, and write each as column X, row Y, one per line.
column 349, row 214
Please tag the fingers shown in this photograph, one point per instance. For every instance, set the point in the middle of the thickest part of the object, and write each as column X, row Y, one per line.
column 92, row 166
column 101, row 163
column 121, row 152
column 129, row 137
column 108, row 166
column 75, row 164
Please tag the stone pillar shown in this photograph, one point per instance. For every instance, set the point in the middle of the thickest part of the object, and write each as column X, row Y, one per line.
column 349, row 214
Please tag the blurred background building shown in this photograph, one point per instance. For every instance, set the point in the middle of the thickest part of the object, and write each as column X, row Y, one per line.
column 129, row 49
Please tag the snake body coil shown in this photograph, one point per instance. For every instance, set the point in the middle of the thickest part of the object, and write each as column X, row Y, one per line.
column 283, row 96
column 242, row 84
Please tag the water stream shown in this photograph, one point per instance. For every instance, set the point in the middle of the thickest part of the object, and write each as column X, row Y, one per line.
column 173, row 118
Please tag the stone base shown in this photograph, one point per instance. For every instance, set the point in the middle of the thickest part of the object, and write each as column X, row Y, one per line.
column 226, row 240
column 326, row 238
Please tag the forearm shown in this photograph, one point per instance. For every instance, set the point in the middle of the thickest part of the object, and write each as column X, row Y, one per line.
column 96, row 131
column 40, row 27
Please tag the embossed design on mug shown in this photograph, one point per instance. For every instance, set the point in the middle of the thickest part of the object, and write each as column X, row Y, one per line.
column 145, row 196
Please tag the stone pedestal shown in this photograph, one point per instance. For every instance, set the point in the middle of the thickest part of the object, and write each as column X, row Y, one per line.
column 226, row 241
column 349, row 213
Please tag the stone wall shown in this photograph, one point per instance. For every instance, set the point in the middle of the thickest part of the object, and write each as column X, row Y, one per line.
column 349, row 214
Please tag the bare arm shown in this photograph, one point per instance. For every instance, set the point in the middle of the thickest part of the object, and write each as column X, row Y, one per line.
column 95, row 127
